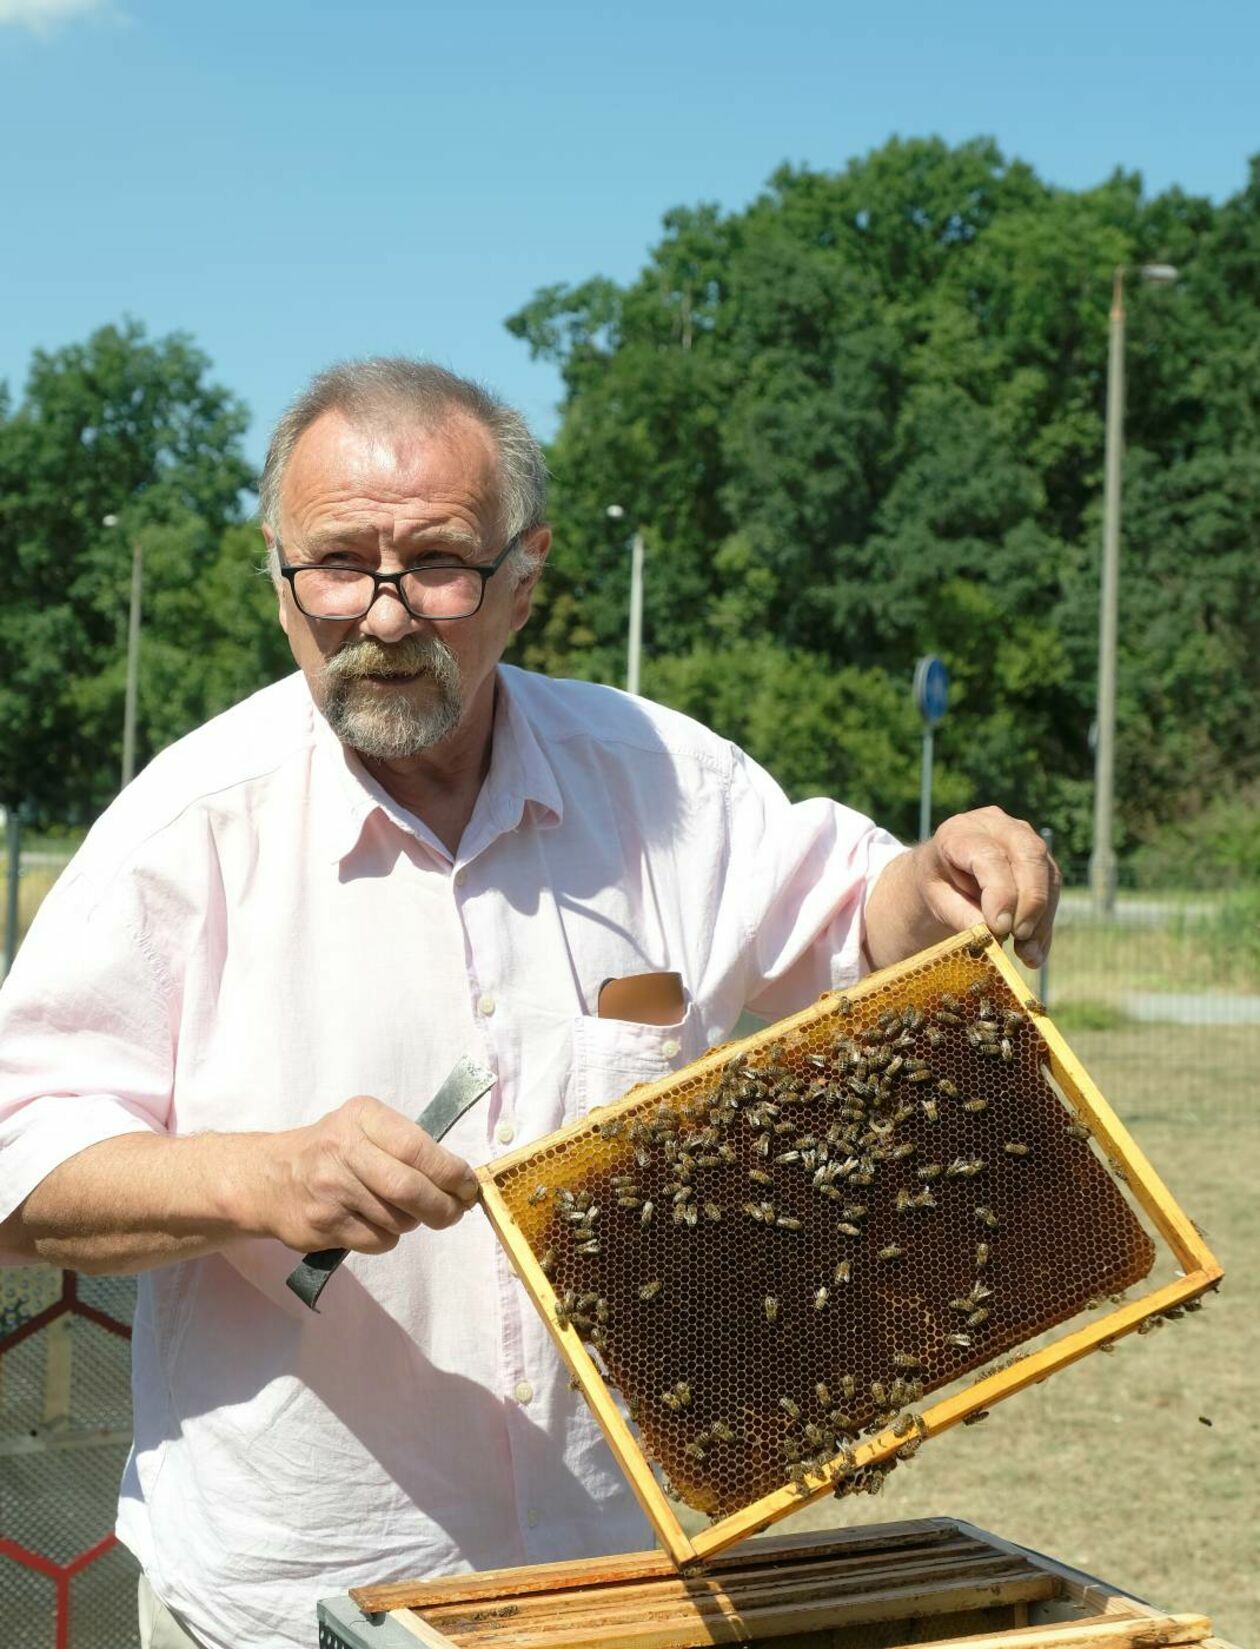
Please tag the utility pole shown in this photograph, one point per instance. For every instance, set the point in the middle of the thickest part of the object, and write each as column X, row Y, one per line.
column 634, row 640
column 133, row 655
column 13, row 876
column 1102, row 864
column 133, row 666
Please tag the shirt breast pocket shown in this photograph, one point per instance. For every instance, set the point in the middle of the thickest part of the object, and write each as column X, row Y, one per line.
column 612, row 1055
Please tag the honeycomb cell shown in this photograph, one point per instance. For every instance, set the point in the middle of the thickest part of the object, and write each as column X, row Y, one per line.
column 783, row 1250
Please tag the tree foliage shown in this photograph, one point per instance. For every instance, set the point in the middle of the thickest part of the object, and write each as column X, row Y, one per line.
column 127, row 427
column 863, row 419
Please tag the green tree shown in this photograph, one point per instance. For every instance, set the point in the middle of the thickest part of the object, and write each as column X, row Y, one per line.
column 863, row 419
column 131, row 427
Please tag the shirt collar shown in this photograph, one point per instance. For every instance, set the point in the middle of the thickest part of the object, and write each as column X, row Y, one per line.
column 520, row 778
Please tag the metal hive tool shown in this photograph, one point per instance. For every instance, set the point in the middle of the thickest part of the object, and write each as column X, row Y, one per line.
column 779, row 1253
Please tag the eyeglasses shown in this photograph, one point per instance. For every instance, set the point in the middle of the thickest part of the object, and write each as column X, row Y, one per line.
column 436, row 589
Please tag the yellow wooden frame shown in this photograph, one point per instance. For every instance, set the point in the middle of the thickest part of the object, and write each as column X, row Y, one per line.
column 1199, row 1266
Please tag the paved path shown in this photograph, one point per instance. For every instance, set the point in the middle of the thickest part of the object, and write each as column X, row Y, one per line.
column 1191, row 1008
column 1077, row 907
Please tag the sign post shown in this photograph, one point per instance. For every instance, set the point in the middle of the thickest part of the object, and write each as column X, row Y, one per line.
column 931, row 698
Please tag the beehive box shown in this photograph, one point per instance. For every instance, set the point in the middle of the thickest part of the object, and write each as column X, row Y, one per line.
column 778, row 1272
column 933, row 1582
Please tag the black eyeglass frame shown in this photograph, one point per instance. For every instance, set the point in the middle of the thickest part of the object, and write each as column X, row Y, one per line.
column 484, row 571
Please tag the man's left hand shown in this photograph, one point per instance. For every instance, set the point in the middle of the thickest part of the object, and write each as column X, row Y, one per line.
column 982, row 866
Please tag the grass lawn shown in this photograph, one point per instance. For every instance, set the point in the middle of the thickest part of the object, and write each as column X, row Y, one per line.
column 1106, row 1465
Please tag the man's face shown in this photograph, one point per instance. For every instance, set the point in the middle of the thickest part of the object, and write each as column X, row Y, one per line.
column 384, row 499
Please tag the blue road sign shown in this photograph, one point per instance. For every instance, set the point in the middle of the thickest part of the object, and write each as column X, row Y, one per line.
column 931, row 688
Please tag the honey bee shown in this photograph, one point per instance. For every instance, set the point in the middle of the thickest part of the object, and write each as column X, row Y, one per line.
column 975, row 1106
column 562, row 1318
column 844, row 1271
column 588, row 1248
column 986, row 1216
column 649, row 1290
column 854, row 1210
column 976, row 1418
column 930, row 1109
column 645, row 1214
column 787, row 1222
column 847, row 1229
column 820, row 1299
column 978, row 1316
column 790, row 1408
column 1078, row 1130
column 1107, row 1346
column 1035, row 1005
column 761, row 1176
column 880, row 1393
column 548, row 1262
column 848, row 1385
column 539, row 1194
column 929, row 1171
column 712, row 1211
column 695, row 1450
column 910, row 1448
column 683, row 1392
column 1016, row 1148
column 629, row 1202
column 935, row 1035
column 721, row 1431
column 823, row 1394
column 959, row 1339
column 891, row 1252
column 947, row 1087
column 771, row 1307
column 982, row 1254
column 906, row 1359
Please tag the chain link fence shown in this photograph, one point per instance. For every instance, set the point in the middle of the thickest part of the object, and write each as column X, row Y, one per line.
column 65, row 1427
column 1160, row 996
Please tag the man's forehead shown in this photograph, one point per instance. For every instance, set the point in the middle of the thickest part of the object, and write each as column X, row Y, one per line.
column 394, row 457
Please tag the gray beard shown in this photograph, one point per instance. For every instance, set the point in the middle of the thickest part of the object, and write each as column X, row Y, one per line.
column 391, row 727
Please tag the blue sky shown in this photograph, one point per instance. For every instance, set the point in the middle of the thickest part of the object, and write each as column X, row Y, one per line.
column 294, row 183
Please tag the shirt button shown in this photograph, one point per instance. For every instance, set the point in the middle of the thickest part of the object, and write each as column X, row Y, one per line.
column 505, row 1133
column 461, row 876
column 523, row 1391
column 485, row 1005
column 670, row 1048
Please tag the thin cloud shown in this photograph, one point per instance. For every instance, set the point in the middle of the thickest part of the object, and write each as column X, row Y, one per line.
column 43, row 16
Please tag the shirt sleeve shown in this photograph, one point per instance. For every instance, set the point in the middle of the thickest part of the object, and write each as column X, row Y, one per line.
column 802, row 874
column 86, row 1035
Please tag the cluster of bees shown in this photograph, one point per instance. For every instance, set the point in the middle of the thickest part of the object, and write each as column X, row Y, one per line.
column 830, row 1143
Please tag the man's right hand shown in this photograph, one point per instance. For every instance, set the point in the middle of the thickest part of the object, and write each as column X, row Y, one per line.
column 358, row 1178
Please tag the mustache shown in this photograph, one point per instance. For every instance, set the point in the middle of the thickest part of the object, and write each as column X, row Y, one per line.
column 412, row 656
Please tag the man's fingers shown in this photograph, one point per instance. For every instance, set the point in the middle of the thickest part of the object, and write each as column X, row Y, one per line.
column 407, row 1141
column 980, row 856
column 397, row 1195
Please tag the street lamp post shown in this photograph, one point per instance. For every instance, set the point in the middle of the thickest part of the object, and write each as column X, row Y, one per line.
column 133, row 657
column 634, row 641
column 1102, row 864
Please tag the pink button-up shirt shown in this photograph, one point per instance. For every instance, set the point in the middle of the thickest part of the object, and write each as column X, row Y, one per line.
column 253, row 932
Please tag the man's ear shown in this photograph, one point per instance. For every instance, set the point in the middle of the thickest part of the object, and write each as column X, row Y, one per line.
column 282, row 613
column 539, row 542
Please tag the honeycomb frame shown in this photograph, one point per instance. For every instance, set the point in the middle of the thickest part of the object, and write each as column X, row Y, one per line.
column 521, row 1227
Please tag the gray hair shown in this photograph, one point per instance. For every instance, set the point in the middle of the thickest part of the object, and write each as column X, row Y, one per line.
column 427, row 394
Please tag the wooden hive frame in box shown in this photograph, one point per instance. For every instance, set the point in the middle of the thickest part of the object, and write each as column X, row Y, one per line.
column 914, row 990
column 934, row 1582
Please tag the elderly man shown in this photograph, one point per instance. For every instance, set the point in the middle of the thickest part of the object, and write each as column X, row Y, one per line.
column 277, row 941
